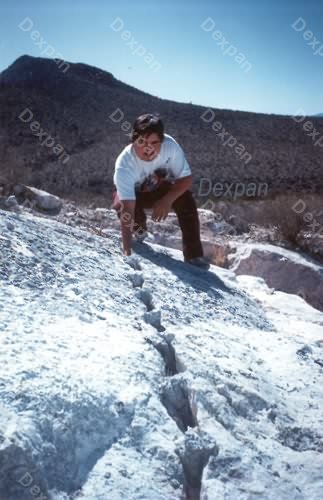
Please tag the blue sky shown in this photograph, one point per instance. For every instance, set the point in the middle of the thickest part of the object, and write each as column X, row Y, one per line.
column 285, row 75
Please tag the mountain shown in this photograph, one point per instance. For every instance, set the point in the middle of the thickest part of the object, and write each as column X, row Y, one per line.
column 83, row 117
column 144, row 378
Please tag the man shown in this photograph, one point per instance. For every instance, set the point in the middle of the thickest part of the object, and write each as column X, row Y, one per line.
column 152, row 172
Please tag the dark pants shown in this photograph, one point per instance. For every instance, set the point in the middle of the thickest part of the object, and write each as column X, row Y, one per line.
column 185, row 209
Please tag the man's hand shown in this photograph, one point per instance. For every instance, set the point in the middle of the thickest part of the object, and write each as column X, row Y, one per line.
column 161, row 209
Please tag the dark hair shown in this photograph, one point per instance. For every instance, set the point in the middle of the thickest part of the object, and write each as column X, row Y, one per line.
column 147, row 124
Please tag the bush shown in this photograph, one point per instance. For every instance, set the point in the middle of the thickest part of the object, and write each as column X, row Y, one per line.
column 289, row 223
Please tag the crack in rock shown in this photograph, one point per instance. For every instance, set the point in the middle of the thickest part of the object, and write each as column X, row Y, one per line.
column 137, row 279
column 133, row 262
column 194, row 455
column 163, row 344
column 178, row 399
column 179, row 402
column 153, row 318
column 144, row 294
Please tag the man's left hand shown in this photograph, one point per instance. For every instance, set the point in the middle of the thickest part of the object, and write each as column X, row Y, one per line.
column 161, row 208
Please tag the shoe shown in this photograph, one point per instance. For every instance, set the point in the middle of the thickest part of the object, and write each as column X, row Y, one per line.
column 140, row 237
column 200, row 262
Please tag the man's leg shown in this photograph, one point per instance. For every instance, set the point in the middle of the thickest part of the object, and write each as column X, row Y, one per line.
column 186, row 211
column 143, row 200
column 146, row 199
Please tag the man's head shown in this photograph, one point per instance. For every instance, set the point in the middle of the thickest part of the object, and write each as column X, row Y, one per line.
column 147, row 136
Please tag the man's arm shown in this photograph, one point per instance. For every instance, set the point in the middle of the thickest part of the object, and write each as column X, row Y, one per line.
column 163, row 206
column 127, row 217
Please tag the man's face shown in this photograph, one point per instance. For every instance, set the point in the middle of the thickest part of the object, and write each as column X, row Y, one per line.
column 147, row 147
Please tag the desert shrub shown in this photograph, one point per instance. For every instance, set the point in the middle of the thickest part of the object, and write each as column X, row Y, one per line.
column 290, row 224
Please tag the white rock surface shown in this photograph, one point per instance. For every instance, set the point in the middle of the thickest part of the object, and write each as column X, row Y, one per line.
column 174, row 384
column 281, row 269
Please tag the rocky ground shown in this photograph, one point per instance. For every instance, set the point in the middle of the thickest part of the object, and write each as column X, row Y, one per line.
column 252, row 238
column 234, row 236
column 143, row 378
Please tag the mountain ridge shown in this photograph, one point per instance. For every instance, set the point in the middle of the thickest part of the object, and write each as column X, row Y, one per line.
column 80, row 107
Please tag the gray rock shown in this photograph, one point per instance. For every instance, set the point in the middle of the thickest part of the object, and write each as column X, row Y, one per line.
column 11, row 201
column 38, row 198
column 281, row 269
column 220, row 406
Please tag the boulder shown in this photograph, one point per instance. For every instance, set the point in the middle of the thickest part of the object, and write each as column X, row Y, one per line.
column 10, row 203
column 282, row 269
column 38, row 198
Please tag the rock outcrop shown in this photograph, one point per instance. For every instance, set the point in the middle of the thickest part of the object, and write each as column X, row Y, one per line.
column 143, row 378
column 281, row 269
column 37, row 198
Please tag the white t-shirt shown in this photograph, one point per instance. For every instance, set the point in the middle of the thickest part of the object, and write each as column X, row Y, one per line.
column 133, row 174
